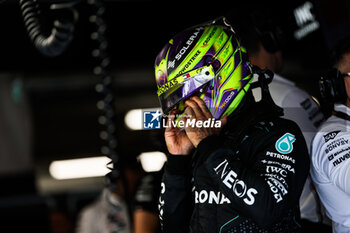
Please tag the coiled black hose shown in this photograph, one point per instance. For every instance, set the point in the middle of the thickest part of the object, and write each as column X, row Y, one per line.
column 61, row 33
column 104, row 88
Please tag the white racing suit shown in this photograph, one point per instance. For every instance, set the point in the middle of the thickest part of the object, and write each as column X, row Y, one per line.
column 330, row 168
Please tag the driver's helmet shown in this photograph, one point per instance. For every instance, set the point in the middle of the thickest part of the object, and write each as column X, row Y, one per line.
column 205, row 60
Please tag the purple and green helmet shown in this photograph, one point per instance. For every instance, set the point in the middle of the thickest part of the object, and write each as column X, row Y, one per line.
column 207, row 61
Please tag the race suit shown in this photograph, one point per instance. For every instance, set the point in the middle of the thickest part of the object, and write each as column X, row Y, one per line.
column 330, row 168
column 247, row 179
column 299, row 107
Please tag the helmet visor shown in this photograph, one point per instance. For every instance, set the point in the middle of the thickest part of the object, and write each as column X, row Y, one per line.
column 183, row 86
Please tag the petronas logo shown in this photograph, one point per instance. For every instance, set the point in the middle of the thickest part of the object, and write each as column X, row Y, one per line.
column 284, row 144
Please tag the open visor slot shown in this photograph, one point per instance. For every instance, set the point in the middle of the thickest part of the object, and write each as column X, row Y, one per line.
column 183, row 86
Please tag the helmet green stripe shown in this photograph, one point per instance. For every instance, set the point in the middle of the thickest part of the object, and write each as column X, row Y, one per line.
column 203, row 45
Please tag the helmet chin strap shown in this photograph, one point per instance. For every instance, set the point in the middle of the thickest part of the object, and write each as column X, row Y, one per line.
column 265, row 77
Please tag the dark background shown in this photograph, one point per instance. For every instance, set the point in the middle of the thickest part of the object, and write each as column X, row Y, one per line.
column 61, row 90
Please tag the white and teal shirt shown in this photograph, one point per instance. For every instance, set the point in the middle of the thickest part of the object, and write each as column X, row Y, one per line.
column 330, row 168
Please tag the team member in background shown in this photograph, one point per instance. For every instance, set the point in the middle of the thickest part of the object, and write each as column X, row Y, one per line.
column 331, row 146
column 263, row 39
column 248, row 174
column 110, row 212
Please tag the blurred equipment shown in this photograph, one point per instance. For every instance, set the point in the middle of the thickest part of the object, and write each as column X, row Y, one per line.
column 332, row 86
column 105, row 104
column 305, row 20
column 16, row 162
column 56, row 43
column 152, row 161
column 79, row 168
column 61, row 33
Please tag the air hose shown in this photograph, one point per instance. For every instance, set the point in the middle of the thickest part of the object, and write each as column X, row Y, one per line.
column 61, row 35
column 59, row 39
column 104, row 88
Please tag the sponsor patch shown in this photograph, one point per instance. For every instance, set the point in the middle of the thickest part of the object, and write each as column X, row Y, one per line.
column 279, row 156
column 238, row 187
column 330, row 136
column 284, row 144
column 340, row 142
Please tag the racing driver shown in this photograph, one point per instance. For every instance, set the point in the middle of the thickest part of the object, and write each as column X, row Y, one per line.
column 244, row 176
